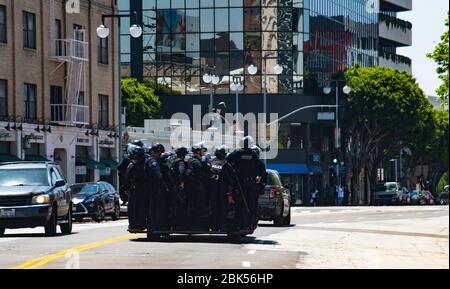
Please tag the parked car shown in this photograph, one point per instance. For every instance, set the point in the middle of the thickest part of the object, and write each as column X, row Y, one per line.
column 275, row 203
column 442, row 198
column 390, row 193
column 412, row 198
column 95, row 200
column 34, row 194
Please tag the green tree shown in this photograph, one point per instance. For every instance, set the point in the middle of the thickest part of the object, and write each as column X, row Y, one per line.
column 140, row 102
column 440, row 56
column 385, row 110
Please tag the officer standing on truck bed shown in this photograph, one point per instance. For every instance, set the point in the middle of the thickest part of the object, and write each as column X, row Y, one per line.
column 178, row 169
column 197, row 186
column 251, row 176
column 221, row 182
column 136, row 183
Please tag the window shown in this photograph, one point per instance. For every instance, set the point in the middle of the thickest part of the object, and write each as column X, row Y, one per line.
column 29, row 30
column 29, row 96
column 3, row 38
column 56, row 101
column 3, row 98
column 102, row 50
column 58, row 35
column 103, row 111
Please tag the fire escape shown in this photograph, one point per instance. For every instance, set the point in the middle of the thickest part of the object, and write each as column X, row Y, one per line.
column 71, row 53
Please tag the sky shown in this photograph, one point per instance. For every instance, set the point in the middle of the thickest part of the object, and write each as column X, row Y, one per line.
column 427, row 18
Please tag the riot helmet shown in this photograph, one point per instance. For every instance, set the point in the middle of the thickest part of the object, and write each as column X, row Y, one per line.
column 221, row 152
column 138, row 143
column 158, row 149
column 199, row 148
column 247, row 142
column 181, row 151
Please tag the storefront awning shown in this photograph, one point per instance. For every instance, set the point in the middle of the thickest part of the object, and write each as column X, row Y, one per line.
column 290, row 169
column 36, row 159
column 315, row 169
column 93, row 165
column 9, row 158
column 111, row 164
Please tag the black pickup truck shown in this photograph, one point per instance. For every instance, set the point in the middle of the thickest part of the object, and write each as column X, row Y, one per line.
column 34, row 194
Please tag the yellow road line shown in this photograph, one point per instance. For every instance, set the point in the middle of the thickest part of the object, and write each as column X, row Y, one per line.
column 41, row 261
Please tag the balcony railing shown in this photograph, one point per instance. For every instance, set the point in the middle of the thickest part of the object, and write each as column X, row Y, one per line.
column 69, row 114
column 69, row 49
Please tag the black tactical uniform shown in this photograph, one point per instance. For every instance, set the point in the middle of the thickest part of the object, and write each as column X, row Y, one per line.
column 249, row 170
column 161, row 189
column 178, row 169
column 197, row 186
column 220, row 183
column 136, row 182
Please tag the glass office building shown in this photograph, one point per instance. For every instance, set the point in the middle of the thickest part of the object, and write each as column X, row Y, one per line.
column 314, row 41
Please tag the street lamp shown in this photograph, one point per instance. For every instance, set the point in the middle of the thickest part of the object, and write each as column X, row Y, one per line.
column 211, row 80
column 327, row 90
column 237, row 87
column 135, row 32
column 277, row 69
column 103, row 31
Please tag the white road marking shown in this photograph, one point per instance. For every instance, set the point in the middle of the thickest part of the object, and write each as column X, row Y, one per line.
column 246, row 264
column 252, row 252
column 360, row 218
column 77, row 227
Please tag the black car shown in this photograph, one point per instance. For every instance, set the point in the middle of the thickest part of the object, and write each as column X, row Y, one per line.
column 95, row 200
column 34, row 194
column 275, row 203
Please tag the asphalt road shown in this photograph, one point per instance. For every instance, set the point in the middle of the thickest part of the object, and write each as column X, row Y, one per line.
column 348, row 237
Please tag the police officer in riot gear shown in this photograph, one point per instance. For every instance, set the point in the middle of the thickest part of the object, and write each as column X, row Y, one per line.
column 251, row 175
column 136, row 182
column 221, row 183
column 178, row 169
column 121, row 171
column 162, row 189
column 197, row 186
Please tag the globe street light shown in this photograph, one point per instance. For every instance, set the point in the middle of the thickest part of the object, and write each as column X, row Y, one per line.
column 102, row 31
column 211, row 80
column 135, row 32
column 237, row 87
column 327, row 90
column 277, row 69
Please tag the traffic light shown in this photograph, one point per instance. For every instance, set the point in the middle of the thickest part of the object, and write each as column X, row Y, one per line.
column 334, row 157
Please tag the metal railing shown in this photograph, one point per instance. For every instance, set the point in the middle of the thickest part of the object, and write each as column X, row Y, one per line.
column 69, row 114
column 68, row 49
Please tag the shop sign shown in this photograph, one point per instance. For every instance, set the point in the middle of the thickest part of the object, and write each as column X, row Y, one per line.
column 81, row 170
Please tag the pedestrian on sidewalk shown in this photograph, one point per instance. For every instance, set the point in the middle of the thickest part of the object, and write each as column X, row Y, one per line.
column 346, row 196
column 314, row 196
column 340, row 193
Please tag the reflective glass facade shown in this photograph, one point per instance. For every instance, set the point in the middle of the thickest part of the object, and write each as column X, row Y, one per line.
column 312, row 39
